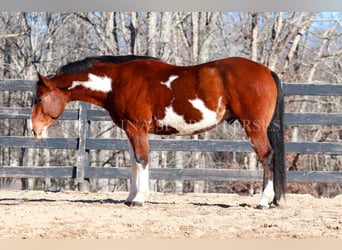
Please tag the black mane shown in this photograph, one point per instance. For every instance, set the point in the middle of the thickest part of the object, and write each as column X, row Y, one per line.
column 87, row 63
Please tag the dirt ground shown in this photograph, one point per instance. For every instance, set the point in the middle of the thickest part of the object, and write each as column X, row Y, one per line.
column 77, row 215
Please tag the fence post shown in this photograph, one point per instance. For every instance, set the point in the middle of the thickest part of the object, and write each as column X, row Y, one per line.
column 82, row 158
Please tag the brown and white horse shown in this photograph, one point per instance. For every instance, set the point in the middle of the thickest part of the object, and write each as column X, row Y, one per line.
column 145, row 95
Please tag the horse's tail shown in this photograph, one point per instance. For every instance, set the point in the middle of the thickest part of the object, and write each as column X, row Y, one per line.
column 275, row 135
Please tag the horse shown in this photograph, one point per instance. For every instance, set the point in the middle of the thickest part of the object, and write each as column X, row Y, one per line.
column 145, row 95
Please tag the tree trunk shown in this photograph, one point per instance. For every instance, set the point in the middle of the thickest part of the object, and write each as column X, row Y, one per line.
column 276, row 31
column 152, row 51
column 197, row 156
column 297, row 38
column 165, row 42
column 152, row 34
column 252, row 157
column 165, row 52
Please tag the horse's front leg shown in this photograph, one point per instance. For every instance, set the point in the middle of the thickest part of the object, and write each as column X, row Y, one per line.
column 138, row 151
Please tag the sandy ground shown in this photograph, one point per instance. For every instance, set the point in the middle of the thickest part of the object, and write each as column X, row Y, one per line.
column 76, row 215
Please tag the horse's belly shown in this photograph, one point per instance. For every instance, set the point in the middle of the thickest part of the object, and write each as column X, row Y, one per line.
column 174, row 123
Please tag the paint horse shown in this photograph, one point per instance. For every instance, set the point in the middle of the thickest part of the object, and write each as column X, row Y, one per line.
column 145, row 95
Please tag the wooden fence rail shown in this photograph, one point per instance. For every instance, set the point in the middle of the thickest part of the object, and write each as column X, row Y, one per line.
column 83, row 144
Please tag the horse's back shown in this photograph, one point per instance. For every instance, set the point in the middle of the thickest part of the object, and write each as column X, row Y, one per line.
column 192, row 99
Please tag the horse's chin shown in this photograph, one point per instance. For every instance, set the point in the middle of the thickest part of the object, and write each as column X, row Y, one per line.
column 42, row 135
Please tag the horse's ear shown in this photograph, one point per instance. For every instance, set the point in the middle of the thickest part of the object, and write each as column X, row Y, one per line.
column 40, row 77
column 46, row 81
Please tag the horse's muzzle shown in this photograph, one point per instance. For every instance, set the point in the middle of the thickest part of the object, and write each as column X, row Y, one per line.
column 43, row 133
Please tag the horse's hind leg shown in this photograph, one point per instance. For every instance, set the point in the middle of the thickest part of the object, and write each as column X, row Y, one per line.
column 260, row 143
column 138, row 151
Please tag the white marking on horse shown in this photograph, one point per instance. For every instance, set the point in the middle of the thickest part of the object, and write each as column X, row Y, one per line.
column 267, row 195
column 44, row 132
column 30, row 125
column 139, row 188
column 94, row 83
column 169, row 81
column 176, row 121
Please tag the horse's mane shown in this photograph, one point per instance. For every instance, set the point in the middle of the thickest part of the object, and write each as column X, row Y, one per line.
column 87, row 63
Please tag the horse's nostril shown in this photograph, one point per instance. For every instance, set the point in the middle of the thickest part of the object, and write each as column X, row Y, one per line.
column 33, row 132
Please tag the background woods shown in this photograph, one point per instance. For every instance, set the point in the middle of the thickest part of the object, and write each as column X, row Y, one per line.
column 301, row 47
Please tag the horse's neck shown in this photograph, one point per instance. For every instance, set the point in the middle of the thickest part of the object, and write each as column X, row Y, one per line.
column 93, row 90
column 86, row 95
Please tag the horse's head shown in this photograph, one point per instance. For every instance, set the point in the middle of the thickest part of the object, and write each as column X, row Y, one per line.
column 49, row 104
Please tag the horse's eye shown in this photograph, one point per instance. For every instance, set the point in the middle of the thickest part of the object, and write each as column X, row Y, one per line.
column 38, row 100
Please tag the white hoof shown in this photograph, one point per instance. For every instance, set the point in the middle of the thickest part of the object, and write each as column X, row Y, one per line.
column 137, row 199
column 267, row 196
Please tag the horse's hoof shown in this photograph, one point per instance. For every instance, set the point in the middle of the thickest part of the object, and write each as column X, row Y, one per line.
column 262, row 207
column 134, row 203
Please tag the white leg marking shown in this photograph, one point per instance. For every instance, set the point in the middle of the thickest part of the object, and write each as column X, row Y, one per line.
column 169, row 81
column 172, row 119
column 95, row 83
column 141, row 183
column 267, row 195
column 139, row 188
